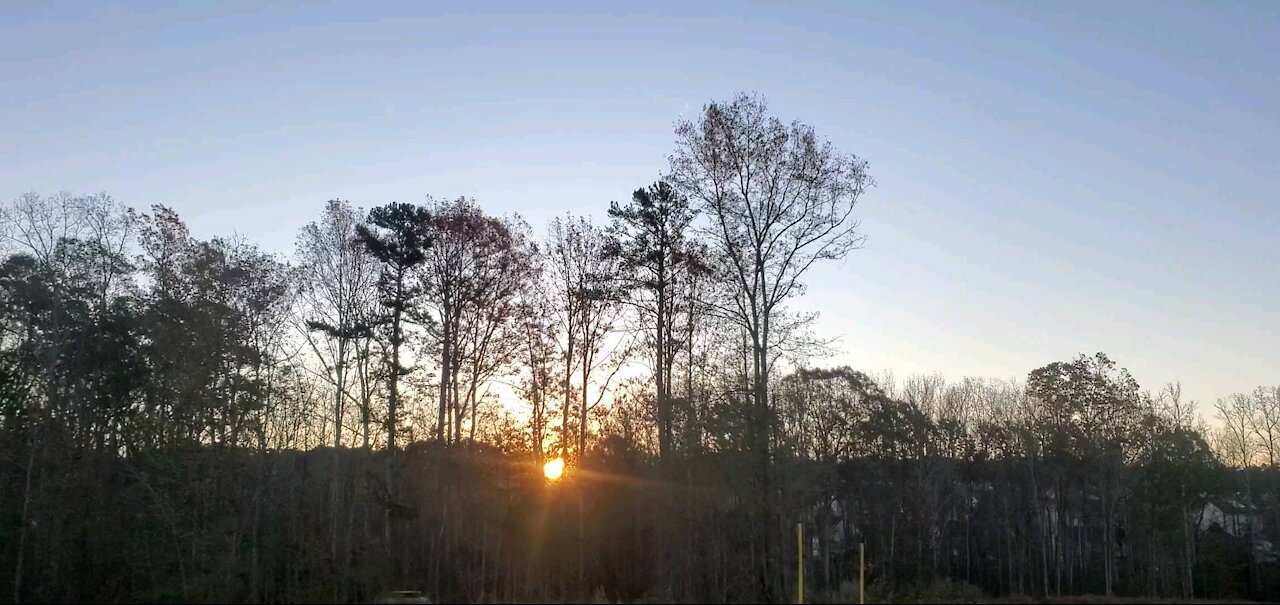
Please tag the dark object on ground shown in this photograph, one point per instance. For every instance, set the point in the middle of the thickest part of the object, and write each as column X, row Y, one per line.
column 402, row 596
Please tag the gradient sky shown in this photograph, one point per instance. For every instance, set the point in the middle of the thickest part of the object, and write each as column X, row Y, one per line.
column 1052, row 179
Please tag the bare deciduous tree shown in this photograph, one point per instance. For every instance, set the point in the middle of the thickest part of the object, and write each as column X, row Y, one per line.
column 583, row 280
column 778, row 199
column 337, row 302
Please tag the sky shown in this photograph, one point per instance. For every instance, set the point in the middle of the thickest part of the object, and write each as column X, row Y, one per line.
column 1051, row 179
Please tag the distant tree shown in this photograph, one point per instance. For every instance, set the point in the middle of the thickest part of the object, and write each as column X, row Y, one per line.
column 338, row 291
column 473, row 276
column 337, row 299
column 538, row 384
column 489, row 334
column 1235, row 439
column 586, row 299
column 38, row 225
column 1175, row 409
column 1247, row 432
column 826, row 411
column 1264, row 420
column 1175, row 476
column 564, row 299
column 1089, row 412
column 630, row 419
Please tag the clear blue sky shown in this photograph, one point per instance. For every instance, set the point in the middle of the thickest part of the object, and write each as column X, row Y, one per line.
column 1052, row 179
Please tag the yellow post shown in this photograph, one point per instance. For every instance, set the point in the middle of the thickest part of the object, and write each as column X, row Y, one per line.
column 862, row 572
column 800, row 563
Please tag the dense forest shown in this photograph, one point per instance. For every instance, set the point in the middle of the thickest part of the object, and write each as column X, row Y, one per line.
column 205, row 421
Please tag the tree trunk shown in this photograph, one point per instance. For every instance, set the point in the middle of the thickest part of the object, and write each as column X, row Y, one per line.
column 393, row 402
column 587, row 345
column 335, row 480
column 446, row 352
column 1106, row 534
column 663, row 398
column 26, row 517
column 568, row 397
column 1188, row 547
column 760, row 375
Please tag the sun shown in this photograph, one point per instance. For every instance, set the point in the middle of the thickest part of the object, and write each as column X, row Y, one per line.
column 553, row 469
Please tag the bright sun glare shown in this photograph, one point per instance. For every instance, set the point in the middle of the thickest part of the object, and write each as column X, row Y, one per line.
column 553, row 469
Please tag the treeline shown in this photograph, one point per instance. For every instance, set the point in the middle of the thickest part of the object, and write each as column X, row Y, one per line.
column 201, row 420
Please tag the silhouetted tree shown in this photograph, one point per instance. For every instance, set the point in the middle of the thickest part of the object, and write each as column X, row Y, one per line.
column 650, row 235
column 778, row 199
column 396, row 235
